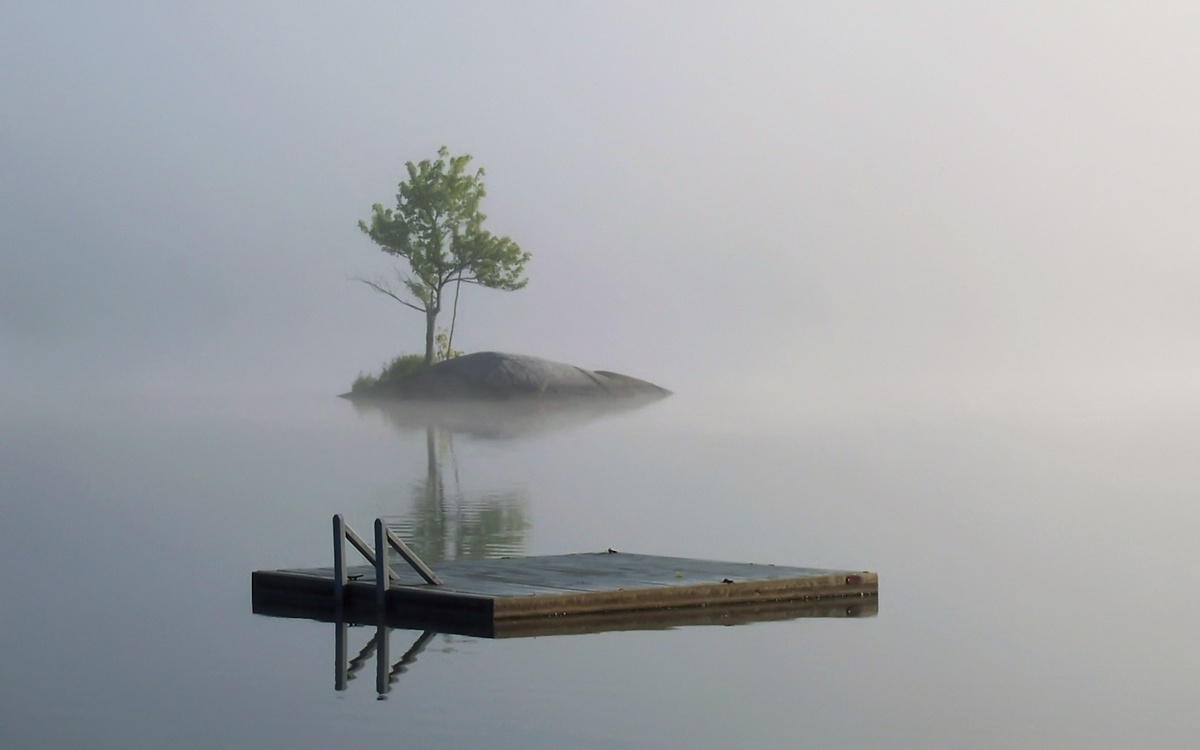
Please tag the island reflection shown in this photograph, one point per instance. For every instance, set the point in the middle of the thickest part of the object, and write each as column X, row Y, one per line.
column 442, row 520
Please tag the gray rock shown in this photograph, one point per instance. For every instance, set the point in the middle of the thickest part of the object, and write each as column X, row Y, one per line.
column 495, row 375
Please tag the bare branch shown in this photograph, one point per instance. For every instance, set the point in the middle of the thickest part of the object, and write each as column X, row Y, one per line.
column 382, row 289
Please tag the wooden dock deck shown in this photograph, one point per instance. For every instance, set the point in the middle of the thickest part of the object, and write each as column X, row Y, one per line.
column 568, row 593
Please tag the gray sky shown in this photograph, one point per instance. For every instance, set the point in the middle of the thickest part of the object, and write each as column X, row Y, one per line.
column 908, row 203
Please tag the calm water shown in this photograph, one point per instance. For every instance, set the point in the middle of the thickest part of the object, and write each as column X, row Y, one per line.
column 1035, row 578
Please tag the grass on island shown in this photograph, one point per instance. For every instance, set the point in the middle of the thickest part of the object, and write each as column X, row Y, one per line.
column 403, row 366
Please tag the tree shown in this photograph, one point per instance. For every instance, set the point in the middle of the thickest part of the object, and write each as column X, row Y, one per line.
column 438, row 228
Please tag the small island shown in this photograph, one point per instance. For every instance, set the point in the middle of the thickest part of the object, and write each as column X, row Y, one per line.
column 500, row 376
column 437, row 228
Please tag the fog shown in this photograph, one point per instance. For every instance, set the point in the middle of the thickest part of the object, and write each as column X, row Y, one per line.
column 793, row 207
column 921, row 277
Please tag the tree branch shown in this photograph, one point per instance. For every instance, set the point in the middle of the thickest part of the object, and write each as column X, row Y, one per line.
column 457, row 274
column 384, row 290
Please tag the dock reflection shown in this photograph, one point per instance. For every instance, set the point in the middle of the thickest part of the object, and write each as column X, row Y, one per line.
column 387, row 672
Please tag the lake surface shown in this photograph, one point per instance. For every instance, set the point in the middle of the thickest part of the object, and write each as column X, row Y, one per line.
column 1035, row 577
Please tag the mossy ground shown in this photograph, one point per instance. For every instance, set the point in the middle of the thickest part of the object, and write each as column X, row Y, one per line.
column 405, row 364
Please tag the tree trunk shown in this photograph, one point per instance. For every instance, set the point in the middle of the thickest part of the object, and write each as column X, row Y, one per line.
column 430, row 321
column 453, row 318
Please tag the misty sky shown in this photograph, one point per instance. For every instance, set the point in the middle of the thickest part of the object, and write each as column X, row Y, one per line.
column 905, row 202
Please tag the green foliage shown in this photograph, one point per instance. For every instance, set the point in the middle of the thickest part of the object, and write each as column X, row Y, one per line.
column 400, row 367
column 364, row 383
column 405, row 364
column 442, row 350
column 437, row 228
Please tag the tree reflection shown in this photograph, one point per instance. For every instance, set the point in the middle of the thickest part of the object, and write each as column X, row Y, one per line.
column 445, row 523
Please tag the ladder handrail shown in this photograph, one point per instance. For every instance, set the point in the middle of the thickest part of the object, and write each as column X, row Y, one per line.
column 409, row 556
column 385, row 538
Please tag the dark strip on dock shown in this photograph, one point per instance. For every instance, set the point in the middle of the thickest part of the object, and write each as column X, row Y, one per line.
column 564, row 593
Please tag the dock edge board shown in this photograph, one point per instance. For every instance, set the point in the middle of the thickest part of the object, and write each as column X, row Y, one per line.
column 310, row 594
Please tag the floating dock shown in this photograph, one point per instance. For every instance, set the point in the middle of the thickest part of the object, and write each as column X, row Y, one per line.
column 556, row 593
